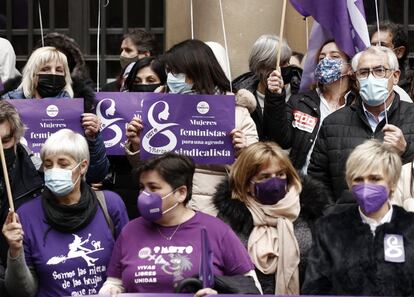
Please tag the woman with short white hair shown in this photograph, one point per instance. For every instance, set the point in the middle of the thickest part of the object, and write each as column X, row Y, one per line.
column 60, row 242
column 367, row 248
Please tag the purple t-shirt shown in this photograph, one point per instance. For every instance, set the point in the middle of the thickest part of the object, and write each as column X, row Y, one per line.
column 147, row 262
column 70, row 264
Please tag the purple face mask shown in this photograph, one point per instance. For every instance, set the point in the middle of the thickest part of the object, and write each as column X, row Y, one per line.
column 370, row 197
column 328, row 70
column 270, row 191
column 150, row 205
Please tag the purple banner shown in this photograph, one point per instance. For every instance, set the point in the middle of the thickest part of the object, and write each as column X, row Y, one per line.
column 1, row 86
column 191, row 295
column 116, row 110
column 197, row 126
column 46, row 116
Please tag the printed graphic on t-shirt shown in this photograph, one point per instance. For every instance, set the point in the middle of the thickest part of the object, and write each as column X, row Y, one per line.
column 172, row 260
column 304, row 121
column 79, row 249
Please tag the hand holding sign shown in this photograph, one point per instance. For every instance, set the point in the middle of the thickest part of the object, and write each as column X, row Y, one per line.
column 133, row 132
column 239, row 140
column 91, row 124
column 13, row 232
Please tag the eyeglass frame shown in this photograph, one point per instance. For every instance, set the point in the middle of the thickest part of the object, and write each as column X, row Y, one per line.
column 371, row 71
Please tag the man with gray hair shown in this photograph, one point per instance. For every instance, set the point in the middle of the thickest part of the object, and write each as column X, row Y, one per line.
column 377, row 113
column 262, row 62
column 25, row 180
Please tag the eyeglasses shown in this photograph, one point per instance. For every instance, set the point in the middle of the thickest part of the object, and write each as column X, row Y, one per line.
column 377, row 72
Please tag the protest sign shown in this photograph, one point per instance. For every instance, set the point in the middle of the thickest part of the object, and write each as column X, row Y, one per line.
column 116, row 110
column 44, row 117
column 194, row 125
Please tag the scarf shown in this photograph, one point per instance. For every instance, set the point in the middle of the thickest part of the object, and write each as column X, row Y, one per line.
column 70, row 218
column 272, row 244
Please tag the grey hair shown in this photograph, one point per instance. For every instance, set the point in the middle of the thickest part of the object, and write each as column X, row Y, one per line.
column 66, row 142
column 264, row 53
column 36, row 60
column 10, row 114
column 377, row 50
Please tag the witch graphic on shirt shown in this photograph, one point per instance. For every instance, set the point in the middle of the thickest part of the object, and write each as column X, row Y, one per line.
column 78, row 250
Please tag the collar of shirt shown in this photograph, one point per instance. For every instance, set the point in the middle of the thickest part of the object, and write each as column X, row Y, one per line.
column 373, row 224
column 372, row 120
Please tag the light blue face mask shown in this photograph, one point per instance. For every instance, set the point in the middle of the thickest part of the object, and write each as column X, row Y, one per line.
column 373, row 91
column 59, row 181
column 177, row 85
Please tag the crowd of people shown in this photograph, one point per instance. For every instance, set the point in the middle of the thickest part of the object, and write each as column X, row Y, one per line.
column 318, row 201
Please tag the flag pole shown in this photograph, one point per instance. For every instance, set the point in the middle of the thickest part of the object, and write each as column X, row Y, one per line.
column 6, row 177
column 282, row 26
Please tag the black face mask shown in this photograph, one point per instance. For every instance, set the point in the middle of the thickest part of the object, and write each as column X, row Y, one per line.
column 289, row 72
column 144, row 88
column 10, row 156
column 50, row 85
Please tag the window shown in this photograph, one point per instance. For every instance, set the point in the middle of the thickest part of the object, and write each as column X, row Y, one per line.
column 19, row 23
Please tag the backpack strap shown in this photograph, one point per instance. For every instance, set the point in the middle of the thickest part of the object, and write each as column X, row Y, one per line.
column 102, row 203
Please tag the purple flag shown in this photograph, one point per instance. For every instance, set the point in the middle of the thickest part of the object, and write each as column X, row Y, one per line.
column 194, row 125
column 116, row 110
column 206, row 265
column 341, row 20
column 44, row 117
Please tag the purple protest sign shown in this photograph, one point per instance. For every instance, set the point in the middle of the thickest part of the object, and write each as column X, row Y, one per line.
column 46, row 116
column 197, row 126
column 116, row 110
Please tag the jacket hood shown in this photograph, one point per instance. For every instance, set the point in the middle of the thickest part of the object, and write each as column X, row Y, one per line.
column 246, row 99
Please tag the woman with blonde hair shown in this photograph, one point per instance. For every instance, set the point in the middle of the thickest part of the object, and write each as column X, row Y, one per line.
column 365, row 250
column 260, row 202
column 47, row 75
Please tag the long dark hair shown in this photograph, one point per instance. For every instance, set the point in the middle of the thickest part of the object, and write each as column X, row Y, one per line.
column 197, row 61
column 153, row 63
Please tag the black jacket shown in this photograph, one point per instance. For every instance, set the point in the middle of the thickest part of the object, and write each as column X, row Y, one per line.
column 346, row 128
column 297, row 134
column 346, row 259
column 26, row 182
column 313, row 200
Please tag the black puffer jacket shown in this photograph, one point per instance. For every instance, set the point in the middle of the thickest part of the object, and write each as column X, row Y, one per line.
column 313, row 201
column 346, row 128
column 347, row 259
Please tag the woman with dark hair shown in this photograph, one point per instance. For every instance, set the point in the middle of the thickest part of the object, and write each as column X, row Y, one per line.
column 155, row 252
column 146, row 75
column 192, row 68
column 297, row 121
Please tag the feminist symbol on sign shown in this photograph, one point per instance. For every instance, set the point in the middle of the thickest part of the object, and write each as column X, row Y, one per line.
column 159, row 128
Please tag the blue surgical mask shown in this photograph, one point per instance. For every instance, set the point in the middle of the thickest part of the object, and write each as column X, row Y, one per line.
column 177, row 85
column 328, row 70
column 373, row 91
column 59, row 181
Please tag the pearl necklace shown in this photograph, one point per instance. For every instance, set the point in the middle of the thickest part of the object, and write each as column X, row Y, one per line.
column 169, row 238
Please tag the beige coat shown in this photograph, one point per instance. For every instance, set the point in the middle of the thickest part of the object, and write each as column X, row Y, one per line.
column 207, row 177
column 402, row 195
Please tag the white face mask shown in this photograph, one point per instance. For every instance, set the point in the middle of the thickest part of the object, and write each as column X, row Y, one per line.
column 373, row 91
column 59, row 181
column 177, row 85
